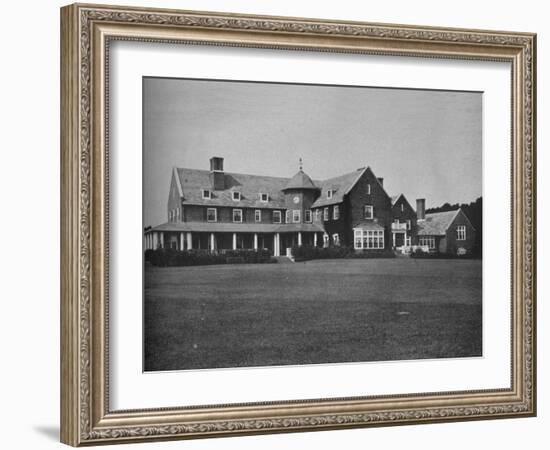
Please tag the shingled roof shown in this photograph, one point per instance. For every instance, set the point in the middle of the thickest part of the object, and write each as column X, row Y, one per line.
column 193, row 181
column 340, row 186
column 436, row 224
column 301, row 181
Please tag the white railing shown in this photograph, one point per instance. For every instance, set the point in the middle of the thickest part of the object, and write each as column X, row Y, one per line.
column 399, row 226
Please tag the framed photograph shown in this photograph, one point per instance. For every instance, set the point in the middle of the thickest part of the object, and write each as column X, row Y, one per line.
column 274, row 224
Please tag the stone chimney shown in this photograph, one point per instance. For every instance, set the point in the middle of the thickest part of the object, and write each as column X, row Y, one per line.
column 381, row 181
column 420, row 208
column 217, row 176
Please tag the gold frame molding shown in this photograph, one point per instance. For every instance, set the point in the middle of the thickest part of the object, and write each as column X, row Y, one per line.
column 86, row 31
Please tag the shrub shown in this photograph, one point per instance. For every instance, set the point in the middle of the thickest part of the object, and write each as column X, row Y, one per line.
column 308, row 252
column 167, row 257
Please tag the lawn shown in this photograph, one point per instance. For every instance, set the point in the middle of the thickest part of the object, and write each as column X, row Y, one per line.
column 322, row 311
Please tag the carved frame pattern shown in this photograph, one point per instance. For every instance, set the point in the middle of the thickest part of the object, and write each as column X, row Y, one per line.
column 94, row 423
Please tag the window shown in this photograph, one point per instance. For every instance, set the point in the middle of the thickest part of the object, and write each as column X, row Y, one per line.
column 258, row 215
column 329, row 193
column 264, row 197
column 236, row 196
column 211, row 215
column 206, row 194
column 296, row 215
column 368, row 239
column 408, row 224
column 336, row 239
column 325, row 214
column 369, row 213
column 325, row 240
column 428, row 241
column 307, row 215
column 368, row 189
column 276, row 216
column 177, row 214
column 318, row 215
column 287, row 216
column 402, row 207
column 237, row 215
column 336, row 212
column 461, row 233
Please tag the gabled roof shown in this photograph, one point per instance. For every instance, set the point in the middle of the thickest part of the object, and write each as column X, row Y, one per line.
column 436, row 224
column 340, row 186
column 394, row 199
column 193, row 181
column 301, row 181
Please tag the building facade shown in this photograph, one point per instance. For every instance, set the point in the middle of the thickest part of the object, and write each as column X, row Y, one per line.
column 215, row 210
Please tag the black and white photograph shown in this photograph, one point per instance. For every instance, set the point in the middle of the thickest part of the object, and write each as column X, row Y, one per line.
column 295, row 224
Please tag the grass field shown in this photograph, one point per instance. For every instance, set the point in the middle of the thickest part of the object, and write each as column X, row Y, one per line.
column 314, row 312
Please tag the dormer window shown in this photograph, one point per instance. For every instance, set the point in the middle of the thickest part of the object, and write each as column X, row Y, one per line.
column 264, row 197
column 206, row 194
column 236, row 196
column 330, row 192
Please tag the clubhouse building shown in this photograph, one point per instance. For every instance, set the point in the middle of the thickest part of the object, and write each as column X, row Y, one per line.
column 216, row 210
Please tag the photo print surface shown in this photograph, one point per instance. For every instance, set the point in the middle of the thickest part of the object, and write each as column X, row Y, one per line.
column 293, row 224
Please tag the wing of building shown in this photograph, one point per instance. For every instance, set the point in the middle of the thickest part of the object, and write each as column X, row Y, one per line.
column 217, row 210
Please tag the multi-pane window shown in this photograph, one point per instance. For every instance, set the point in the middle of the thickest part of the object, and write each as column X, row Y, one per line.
column 236, row 195
column 307, row 215
column 264, row 197
column 369, row 239
column 276, row 216
column 325, row 214
column 461, row 233
column 258, row 215
column 237, row 215
column 336, row 212
column 296, row 215
column 369, row 212
column 428, row 241
column 211, row 215
column 287, row 216
column 206, row 194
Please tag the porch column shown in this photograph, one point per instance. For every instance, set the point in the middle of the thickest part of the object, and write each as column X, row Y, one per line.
column 255, row 241
column 162, row 239
column 299, row 238
column 315, row 239
column 182, row 241
column 155, row 240
column 189, row 241
column 276, row 245
column 393, row 236
column 234, row 241
column 212, row 242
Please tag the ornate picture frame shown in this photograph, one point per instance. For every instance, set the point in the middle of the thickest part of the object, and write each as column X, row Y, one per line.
column 86, row 34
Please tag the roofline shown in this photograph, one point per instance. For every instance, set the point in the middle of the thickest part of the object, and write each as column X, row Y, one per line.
column 233, row 205
column 466, row 217
column 378, row 181
column 178, row 182
column 348, row 190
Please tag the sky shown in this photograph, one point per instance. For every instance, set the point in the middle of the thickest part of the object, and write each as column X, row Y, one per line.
column 424, row 143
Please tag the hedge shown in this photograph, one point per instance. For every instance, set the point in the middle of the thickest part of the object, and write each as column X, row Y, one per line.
column 308, row 252
column 168, row 257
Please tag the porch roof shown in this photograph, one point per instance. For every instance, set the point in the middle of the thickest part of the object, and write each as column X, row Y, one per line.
column 368, row 226
column 229, row 227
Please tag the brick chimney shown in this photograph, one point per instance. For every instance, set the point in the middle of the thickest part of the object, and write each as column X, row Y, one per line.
column 217, row 176
column 420, row 208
